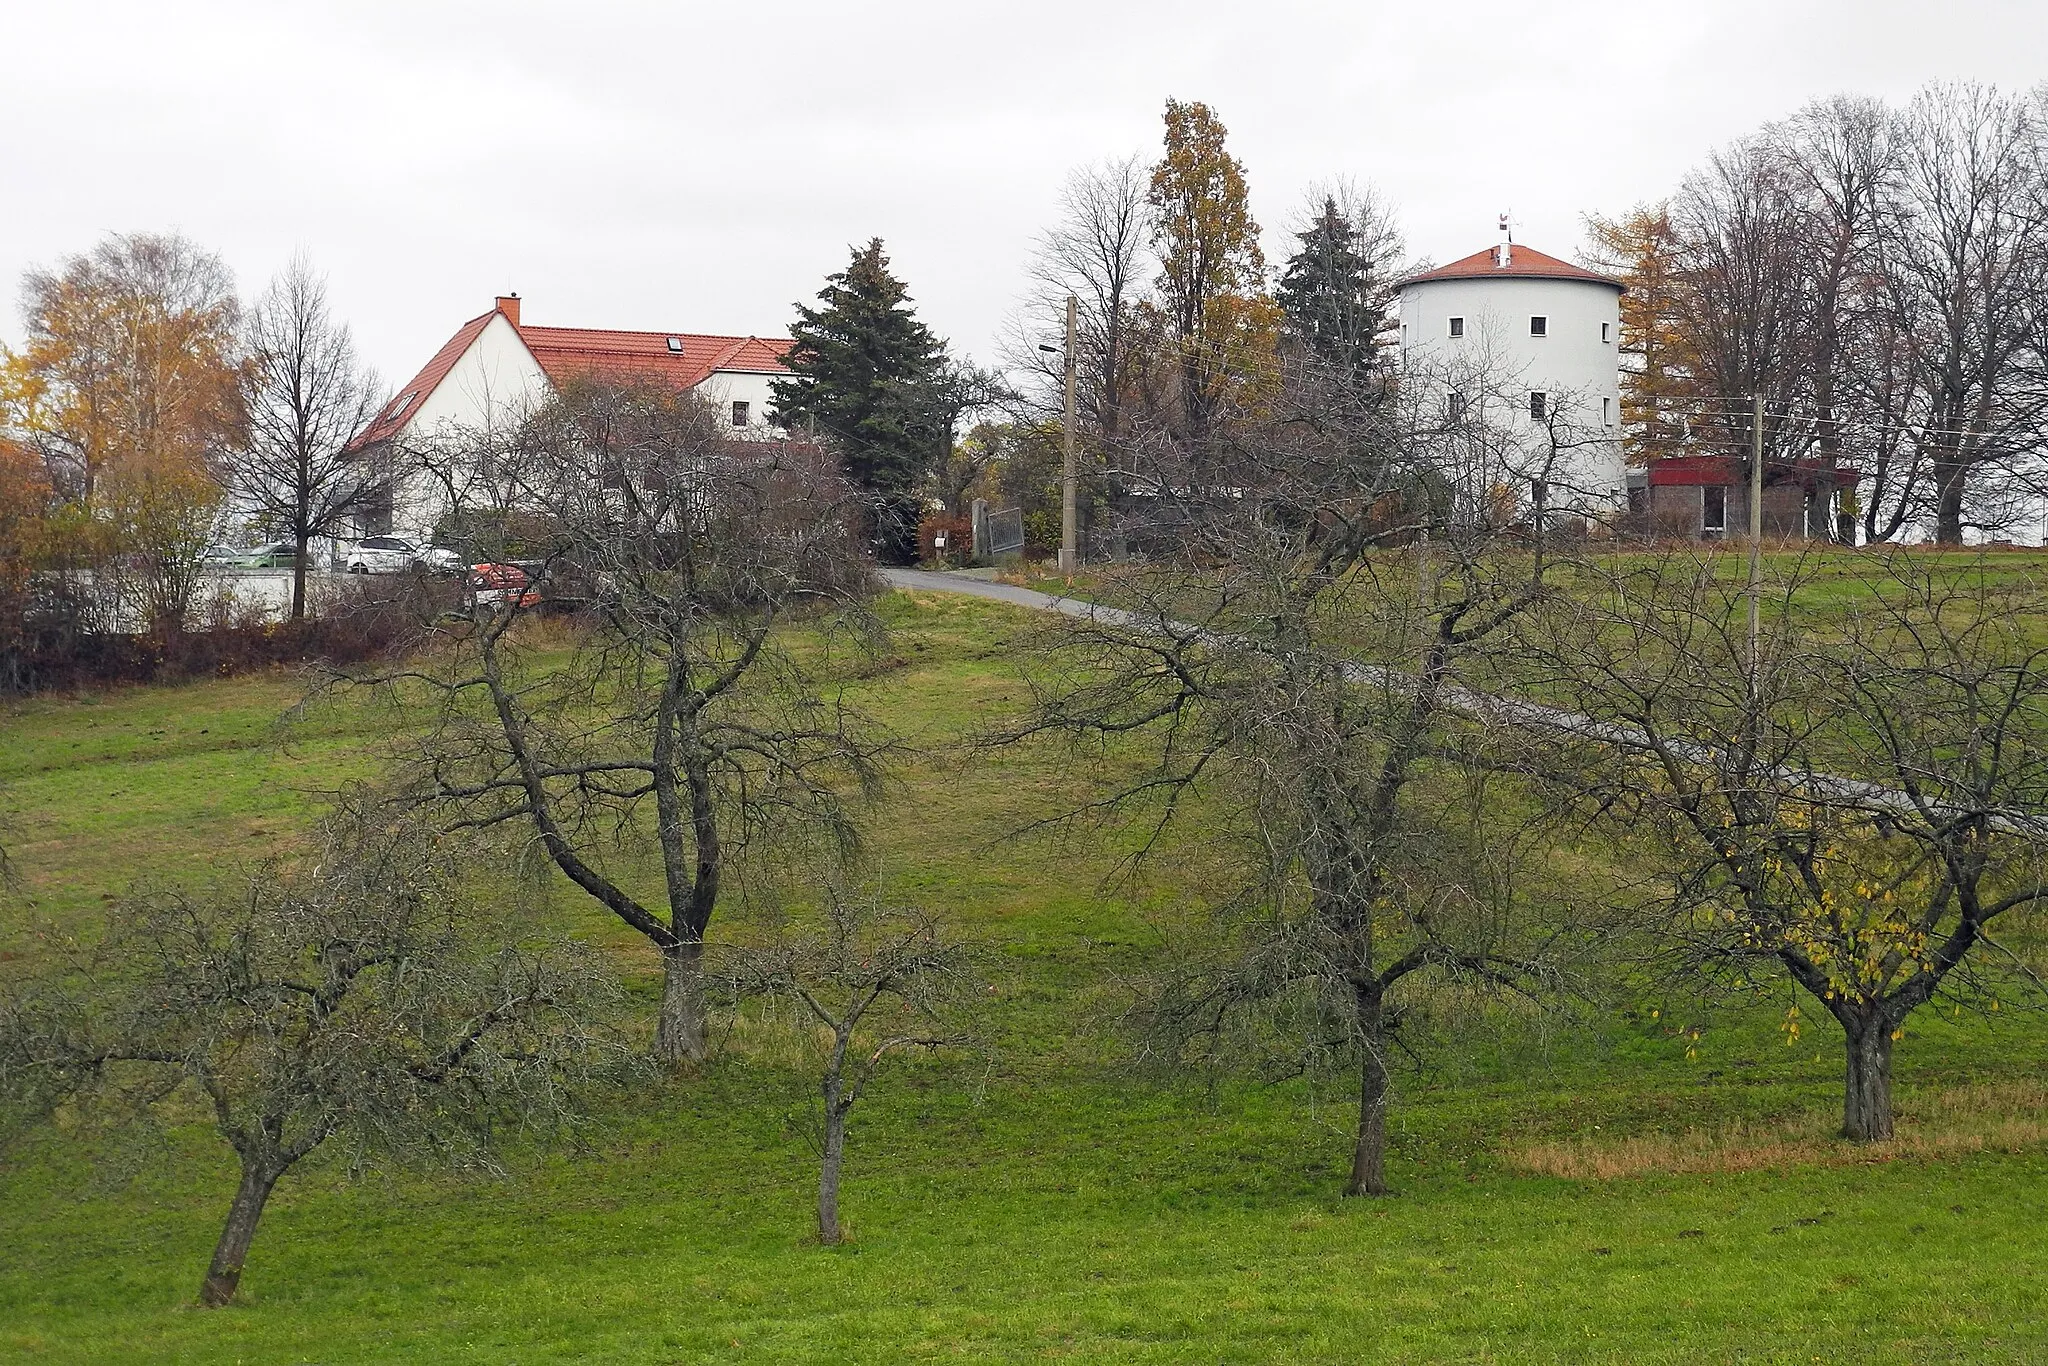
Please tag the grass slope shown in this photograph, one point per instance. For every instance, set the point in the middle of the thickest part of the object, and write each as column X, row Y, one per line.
column 1071, row 1213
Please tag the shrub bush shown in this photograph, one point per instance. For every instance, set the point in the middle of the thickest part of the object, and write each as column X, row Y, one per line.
column 57, row 642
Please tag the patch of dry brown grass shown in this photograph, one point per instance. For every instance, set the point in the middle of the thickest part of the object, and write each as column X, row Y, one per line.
column 2001, row 1117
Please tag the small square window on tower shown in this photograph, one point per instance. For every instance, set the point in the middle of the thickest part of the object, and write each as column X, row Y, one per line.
column 1539, row 405
column 1539, row 326
column 1457, row 327
column 1607, row 412
column 741, row 412
column 1603, row 330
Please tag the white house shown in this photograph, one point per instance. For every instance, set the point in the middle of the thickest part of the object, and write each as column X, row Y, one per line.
column 1512, row 327
column 496, row 369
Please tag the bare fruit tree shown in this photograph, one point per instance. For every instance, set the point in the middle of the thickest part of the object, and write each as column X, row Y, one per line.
column 306, row 395
column 690, row 722
column 356, row 996
column 1331, row 579
column 1097, row 254
column 871, row 983
column 1855, row 812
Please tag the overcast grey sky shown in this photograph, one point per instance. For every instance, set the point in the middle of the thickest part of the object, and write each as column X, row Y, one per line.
column 700, row 167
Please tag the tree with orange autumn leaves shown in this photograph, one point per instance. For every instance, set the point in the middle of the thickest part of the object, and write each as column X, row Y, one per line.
column 128, row 390
column 1215, row 324
column 1641, row 249
column 26, row 505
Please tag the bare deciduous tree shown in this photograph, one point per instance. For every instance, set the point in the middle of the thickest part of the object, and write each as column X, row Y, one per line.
column 681, row 727
column 873, row 983
column 1747, row 307
column 306, row 397
column 1843, row 150
column 1854, row 812
column 1964, row 260
column 1295, row 657
column 1096, row 253
column 355, row 996
column 1880, row 278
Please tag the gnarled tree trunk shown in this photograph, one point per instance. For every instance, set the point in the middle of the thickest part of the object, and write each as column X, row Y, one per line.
column 679, row 1031
column 1369, row 1153
column 1867, row 1101
column 225, row 1274
column 835, row 1158
column 1951, row 476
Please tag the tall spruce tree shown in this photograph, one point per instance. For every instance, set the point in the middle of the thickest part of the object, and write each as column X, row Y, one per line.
column 868, row 375
column 1335, row 301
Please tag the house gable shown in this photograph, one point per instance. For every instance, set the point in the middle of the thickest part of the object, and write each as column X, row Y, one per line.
column 480, row 377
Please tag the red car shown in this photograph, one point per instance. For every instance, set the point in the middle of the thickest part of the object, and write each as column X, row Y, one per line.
column 502, row 585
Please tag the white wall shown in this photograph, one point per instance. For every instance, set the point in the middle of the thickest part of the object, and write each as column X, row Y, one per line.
column 496, row 381
column 493, row 385
column 725, row 387
column 1571, row 363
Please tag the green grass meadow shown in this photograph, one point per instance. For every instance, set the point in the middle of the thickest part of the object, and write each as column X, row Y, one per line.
column 1051, row 1205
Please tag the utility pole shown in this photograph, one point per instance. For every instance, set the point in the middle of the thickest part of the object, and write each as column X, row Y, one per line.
column 1756, row 538
column 1070, row 530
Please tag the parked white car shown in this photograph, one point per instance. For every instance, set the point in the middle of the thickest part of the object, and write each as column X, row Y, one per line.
column 394, row 554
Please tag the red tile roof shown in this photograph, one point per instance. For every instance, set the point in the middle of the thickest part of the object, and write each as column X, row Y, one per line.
column 570, row 351
column 1524, row 263
column 392, row 420
column 567, row 351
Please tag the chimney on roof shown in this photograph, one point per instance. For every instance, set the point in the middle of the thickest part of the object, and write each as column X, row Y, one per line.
column 508, row 304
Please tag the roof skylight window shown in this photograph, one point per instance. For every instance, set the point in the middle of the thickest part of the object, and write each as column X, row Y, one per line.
column 675, row 344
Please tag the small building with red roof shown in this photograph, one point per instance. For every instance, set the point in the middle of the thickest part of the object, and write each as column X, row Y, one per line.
column 1706, row 497
column 497, row 368
column 1530, row 346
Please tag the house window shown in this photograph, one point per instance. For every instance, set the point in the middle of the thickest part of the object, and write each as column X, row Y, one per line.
column 675, row 346
column 1539, row 326
column 1457, row 327
column 401, row 406
column 1539, row 405
column 1539, row 492
column 1607, row 412
column 1714, row 508
column 740, row 410
column 1454, row 406
column 1603, row 330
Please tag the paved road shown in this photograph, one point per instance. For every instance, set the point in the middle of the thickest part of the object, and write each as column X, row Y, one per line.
column 1509, row 709
column 934, row 582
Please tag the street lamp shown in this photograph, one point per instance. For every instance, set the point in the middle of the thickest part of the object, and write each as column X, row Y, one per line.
column 1070, row 550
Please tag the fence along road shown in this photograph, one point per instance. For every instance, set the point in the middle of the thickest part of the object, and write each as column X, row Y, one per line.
column 1514, row 711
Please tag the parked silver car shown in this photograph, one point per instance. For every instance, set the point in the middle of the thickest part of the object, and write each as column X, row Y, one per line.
column 393, row 554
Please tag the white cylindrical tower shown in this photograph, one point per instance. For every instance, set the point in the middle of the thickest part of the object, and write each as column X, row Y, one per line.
column 1531, row 344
